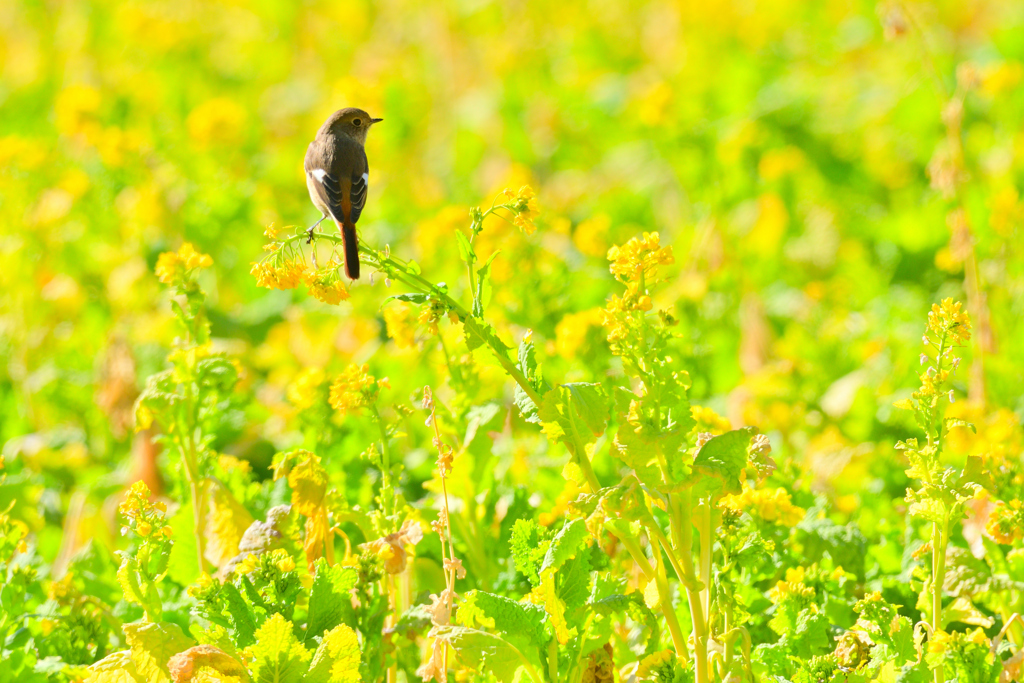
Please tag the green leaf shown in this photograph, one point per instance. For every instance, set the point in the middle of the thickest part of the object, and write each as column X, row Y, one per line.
column 565, row 545
column 951, row 422
column 117, row 667
column 529, row 548
column 183, row 563
column 329, row 601
column 477, row 417
column 576, row 413
column 963, row 611
column 504, row 614
column 465, row 248
column 482, row 297
column 152, row 645
column 482, row 651
column 337, row 658
column 411, row 297
column 722, row 459
column 279, row 657
column 243, row 622
column 632, row 605
column 574, row 581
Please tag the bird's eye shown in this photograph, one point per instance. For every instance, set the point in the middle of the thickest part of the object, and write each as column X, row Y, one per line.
column 357, row 122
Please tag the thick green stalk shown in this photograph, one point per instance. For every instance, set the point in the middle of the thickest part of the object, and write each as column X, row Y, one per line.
column 682, row 532
column 665, row 602
column 940, row 537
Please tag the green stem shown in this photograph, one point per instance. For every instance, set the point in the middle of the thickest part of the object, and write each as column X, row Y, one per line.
column 682, row 528
column 196, row 489
column 940, row 536
column 667, row 609
column 706, row 542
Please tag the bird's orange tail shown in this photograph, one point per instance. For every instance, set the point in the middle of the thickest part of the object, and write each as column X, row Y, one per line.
column 350, row 242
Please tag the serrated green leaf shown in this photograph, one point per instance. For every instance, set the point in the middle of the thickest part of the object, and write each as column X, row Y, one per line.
column 152, row 645
column 482, row 651
column 465, row 248
column 504, row 614
column 279, row 657
column 336, row 659
column 243, row 622
column 565, row 545
column 722, row 459
column 117, row 667
column 329, row 600
column 528, row 548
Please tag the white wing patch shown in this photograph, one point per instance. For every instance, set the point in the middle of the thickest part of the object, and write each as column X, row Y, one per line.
column 366, row 178
column 319, row 174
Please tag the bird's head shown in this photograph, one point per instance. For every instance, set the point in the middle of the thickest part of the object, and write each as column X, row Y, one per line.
column 350, row 122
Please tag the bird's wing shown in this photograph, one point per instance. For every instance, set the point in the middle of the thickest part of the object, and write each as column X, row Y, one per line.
column 331, row 187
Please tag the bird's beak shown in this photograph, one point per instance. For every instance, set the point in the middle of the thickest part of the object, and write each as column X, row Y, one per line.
column 372, row 121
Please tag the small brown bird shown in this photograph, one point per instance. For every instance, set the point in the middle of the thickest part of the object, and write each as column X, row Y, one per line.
column 337, row 176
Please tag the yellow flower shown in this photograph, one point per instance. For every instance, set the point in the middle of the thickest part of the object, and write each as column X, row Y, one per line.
column 399, row 326
column 639, row 257
column 524, row 205
column 771, row 505
column 247, row 565
column 282, row 560
column 978, row 637
column 305, row 390
column 591, row 235
column 948, row 318
column 172, row 267
column 1005, row 523
column 939, row 642
column 792, row 586
column 709, row 421
column 355, row 388
column 288, row 275
column 326, row 287
column 571, row 331
column 167, row 267
column 75, row 108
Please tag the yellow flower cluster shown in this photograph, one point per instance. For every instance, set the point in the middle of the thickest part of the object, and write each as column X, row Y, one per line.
column 399, row 326
column 12, row 534
column 144, row 517
column 326, row 287
column 639, row 258
column 1006, row 523
column 355, row 388
column 278, row 559
column 172, row 267
column 304, row 392
column 709, row 421
column 941, row 641
column 771, row 505
column 792, row 586
column 431, row 313
column 287, row 275
column 949, row 319
column 571, row 331
column 524, row 205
